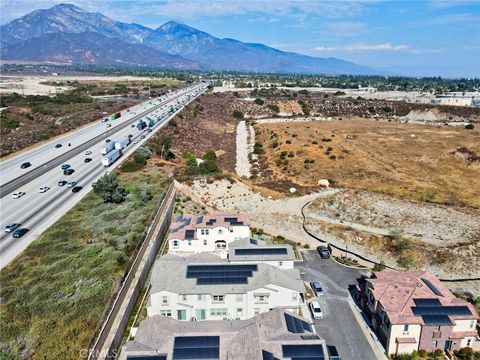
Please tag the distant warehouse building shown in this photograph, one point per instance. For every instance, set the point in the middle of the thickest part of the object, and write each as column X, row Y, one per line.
column 206, row 287
column 413, row 310
column 276, row 334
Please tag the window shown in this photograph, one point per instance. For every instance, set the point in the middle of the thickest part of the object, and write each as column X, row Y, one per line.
column 469, row 342
column 201, row 297
column 183, row 297
column 472, row 324
column 239, row 311
column 182, row 314
column 175, row 243
column 218, row 298
column 220, row 231
column 294, row 296
column 218, row 312
column 280, row 263
column 200, row 314
column 405, row 328
column 239, row 297
column 204, row 231
column 204, row 241
column 256, row 311
column 231, row 230
column 164, row 299
column 261, row 298
column 166, row 312
column 189, row 242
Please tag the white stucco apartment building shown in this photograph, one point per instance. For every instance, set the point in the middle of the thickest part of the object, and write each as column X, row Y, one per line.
column 207, row 287
column 193, row 234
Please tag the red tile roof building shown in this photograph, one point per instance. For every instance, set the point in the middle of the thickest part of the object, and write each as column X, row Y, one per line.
column 413, row 310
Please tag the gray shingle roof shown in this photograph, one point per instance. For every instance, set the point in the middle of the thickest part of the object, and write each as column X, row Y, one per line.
column 246, row 244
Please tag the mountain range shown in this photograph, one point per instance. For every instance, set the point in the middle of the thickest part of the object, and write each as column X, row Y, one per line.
column 67, row 34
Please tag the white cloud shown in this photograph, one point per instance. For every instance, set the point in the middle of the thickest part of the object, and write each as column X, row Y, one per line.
column 440, row 4
column 376, row 47
column 345, row 28
column 455, row 18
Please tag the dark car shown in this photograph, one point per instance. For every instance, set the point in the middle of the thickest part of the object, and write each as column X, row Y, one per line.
column 58, row 146
column 77, row 189
column 12, row 227
column 107, row 141
column 62, row 182
column 25, row 165
column 68, row 171
column 19, row 233
column 323, row 251
column 87, row 160
column 133, row 125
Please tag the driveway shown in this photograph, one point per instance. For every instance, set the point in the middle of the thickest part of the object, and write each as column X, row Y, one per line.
column 339, row 327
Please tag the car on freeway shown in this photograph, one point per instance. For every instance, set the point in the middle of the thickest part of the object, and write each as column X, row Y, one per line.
column 87, row 160
column 88, row 152
column 44, row 189
column 18, row 194
column 317, row 288
column 62, row 182
column 107, row 141
column 315, row 309
column 133, row 125
column 135, row 142
column 130, row 136
column 58, row 146
column 68, row 172
column 104, row 119
column 25, row 165
column 109, row 126
column 65, row 166
column 149, row 130
column 71, row 184
column 77, row 189
column 12, row 227
column 19, row 233
column 142, row 137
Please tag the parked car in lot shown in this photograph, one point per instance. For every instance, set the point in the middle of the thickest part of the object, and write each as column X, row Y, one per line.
column 58, row 146
column 77, row 189
column 19, row 233
column 62, row 182
column 65, row 166
column 87, row 160
column 12, row 227
column 315, row 309
column 44, row 189
column 25, row 165
column 68, row 172
column 317, row 289
column 18, row 194
column 88, row 152
column 323, row 251
column 71, row 184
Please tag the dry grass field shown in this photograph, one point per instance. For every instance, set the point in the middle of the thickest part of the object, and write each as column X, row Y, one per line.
column 437, row 164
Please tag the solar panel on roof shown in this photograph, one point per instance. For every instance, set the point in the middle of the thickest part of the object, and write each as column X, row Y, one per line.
column 196, row 347
column 253, row 241
column 237, row 223
column 230, row 219
column 199, row 220
column 189, row 234
column 267, row 355
column 178, row 218
column 297, row 326
column 441, row 310
column 261, row 251
column 187, row 221
column 147, row 357
column 427, row 302
column 310, row 337
column 436, row 320
column 432, row 287
column 304, row 352
column 221, row 274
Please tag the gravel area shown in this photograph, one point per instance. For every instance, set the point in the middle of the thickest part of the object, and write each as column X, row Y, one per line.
column 244, row 148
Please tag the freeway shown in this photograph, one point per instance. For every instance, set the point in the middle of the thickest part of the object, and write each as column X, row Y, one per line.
column 37, row 211
column 45, row 157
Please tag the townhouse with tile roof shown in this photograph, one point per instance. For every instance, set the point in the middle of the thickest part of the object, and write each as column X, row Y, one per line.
column 273, row 335
column 413, row 310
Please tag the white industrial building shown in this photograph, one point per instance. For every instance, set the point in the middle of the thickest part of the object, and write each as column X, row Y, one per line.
column 207, row 287
column 193, row 234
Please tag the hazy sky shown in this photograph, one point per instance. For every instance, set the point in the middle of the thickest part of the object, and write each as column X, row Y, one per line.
column 409, row 37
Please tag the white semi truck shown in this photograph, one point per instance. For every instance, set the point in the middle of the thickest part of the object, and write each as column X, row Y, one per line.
column 108, row 147
column 122, row 143
column 111, row 157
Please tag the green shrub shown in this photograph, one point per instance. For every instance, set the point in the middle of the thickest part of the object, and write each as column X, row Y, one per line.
column 259, row 101
column 237, row 114
column 274, row 108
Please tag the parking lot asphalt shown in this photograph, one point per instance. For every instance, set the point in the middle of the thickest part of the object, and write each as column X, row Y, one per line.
column 339, row 326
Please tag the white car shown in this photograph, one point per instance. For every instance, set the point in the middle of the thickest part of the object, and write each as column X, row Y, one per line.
column 18, row 194
column 88, row 152
column 44, row 189
column 316, row 311
column 71, row 184
column 109, row 126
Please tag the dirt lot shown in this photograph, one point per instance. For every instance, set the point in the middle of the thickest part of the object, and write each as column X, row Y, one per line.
column 417, row 162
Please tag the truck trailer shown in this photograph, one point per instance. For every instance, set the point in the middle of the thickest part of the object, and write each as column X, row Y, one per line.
column 111, row 157
column 122, row 143
column 108, row 147
column 116, row 115
column 141, row 125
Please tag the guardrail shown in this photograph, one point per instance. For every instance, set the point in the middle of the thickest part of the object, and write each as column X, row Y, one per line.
column 111, row 333
column 11, row 185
